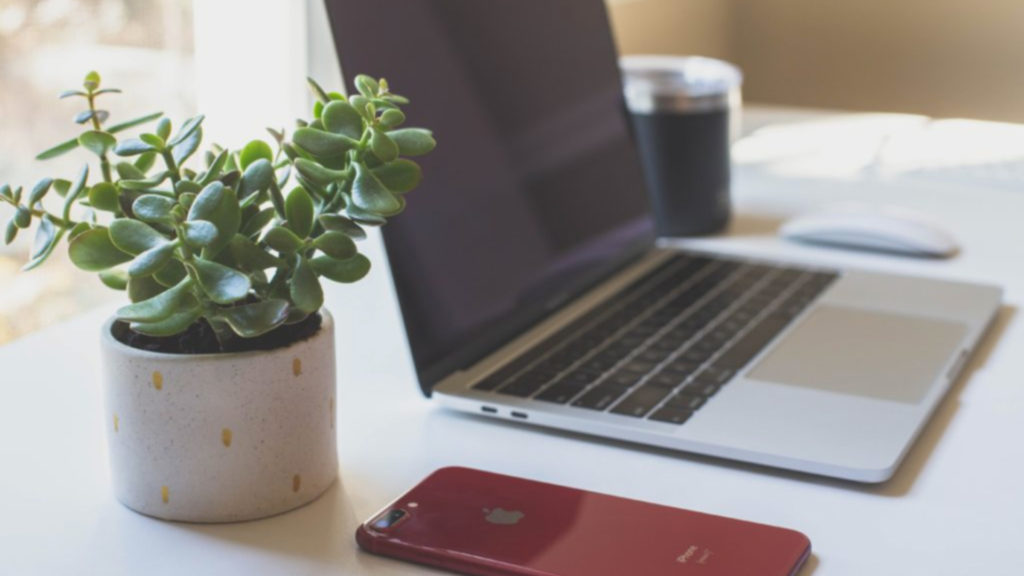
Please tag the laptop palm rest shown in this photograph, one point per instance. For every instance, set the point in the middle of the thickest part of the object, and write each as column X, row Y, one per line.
column 864, row 353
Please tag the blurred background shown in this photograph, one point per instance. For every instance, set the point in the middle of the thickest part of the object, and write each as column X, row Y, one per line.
column 944, row 58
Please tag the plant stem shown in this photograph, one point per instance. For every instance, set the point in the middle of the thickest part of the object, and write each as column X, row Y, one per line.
column 104, row 162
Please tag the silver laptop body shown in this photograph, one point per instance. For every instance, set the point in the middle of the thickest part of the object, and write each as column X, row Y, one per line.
column 530, row 225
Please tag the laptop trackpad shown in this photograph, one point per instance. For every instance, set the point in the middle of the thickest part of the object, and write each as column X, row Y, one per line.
column 866, row 353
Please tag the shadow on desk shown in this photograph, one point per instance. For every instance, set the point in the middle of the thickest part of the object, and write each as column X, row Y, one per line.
column 899, row 485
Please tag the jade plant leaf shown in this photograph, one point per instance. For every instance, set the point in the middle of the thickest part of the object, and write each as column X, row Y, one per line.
column 250, row 256
column 345, row 271
column 134, row 237
column 341, row 118
column 183, row 150
column 253, row 151
column 218, row 205
column 399, row 176
column 371, row 195
column 176, row 323
column 305, row 290
column 159, row 306
column 298, row 209
column 132, row 147
column 116, row 278
column 97, row 142
column 143, row 288
column 47, row 238
column 257, row 176
column 187, row 129
column 340, row 223
column 151, row 260
column 251, row 320
column 383, row 146
column 336, row 245
column 323, row 144
column 103, row 196
column 153, row 207
column 199, row 233
column 222, row 284
column 93, row 251
column 282, row 239
column 413, row 141
column 39, row 191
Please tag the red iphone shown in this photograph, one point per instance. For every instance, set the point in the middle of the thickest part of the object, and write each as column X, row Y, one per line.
column 486, row 524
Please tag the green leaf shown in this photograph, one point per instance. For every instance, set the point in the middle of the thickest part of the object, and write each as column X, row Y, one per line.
column 251, row 320
column 190, row 126
column 200, row 233
column 367, row 86
column 174, row 324
column 345, row 271
column 339, row 223
column 59, row 149
column 6, row 192
column 107, row 91
column 115, row 278
column 215, row 169
column 78, row 229
column 400, row 176
column 133, row 123
column 258, row 222
column 323, row 144
column 218, row 205
column 152, row 260
column 363, row 217
column 128, row 171
column 39, row 191
column 100, row 116
column 97, row 142
column 371, row 195
column 47, row 238
column 392, row 118
column 317, row 174
column 75, row 191
column 298, row 210
column 341, row 118
column 144, row 162
column 306, row 293
column 282, row 240
column 93, row 251
column 143, row 288
column 171, row 274
column 258, row 176
column 317, row 90
column 336, row 245
column 253, row 151
column 103, row 196
column 92, row 81
column 163, row 128
column 133, row 147
column 251, row 257
column 184, row 149
column 70, row 93
column 222, row 284
column 413, row 141
column 383, row 146
column 134, row 237
column 153, row 140
column 361, row 103
column 22, row 217
column 11, row 232
column 153, row 208
column 146, row 183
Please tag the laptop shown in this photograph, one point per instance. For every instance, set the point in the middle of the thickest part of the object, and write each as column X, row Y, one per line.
column 532, row 288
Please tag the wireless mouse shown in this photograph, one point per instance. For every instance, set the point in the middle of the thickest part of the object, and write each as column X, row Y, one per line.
column 873, row 228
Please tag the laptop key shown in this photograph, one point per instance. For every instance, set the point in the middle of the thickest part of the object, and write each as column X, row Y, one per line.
column 522, row 388
column 714, row 375
column 671, row 415
column 641, row 401
column 683, row 401
column 599, row 397
column 744, row 349
column 559, row 393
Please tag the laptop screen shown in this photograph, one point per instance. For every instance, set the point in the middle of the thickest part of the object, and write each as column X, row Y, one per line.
column 534, row 192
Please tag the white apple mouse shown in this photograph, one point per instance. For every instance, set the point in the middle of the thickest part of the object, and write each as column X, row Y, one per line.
column 873, row 228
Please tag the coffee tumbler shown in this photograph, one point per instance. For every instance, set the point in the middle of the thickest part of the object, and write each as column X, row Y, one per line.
column 685, row 111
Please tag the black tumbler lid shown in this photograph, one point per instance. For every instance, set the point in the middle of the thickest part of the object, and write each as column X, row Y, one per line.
column 655, row 83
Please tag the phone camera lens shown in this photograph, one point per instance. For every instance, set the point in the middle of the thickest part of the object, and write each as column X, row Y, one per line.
column 389, row 519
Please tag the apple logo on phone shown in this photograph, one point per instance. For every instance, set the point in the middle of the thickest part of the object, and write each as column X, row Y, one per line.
column 502, row 516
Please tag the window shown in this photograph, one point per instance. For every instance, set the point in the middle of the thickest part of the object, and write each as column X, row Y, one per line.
column 144, row 47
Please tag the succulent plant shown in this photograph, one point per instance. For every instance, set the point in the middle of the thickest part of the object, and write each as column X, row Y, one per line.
column 242, row 242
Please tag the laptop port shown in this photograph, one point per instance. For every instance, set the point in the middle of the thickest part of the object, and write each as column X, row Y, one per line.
column 519, row 415
column 489, row 409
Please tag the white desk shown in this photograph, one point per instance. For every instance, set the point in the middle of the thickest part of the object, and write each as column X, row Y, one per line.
column 955, row 507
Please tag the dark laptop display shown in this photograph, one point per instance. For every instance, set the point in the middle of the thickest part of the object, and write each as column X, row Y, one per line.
column 534, row 191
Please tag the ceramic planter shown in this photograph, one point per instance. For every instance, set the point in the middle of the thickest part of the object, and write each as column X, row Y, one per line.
column 221, row 437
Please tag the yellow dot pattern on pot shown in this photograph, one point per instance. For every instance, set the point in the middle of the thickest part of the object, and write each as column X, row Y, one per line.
column 296, row 367
column 225, row 436
column 165, row 494
column 158, row 380
column 117, row 423
column 296, row 483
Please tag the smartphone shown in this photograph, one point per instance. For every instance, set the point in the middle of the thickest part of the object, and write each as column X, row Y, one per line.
column 476, row 522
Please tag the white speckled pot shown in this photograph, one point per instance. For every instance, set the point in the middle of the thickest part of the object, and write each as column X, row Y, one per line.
column 221, row 437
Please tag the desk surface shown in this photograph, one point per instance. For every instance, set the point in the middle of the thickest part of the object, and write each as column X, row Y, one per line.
column 955, row 506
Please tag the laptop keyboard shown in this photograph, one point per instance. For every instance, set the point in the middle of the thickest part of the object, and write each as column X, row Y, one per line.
column 663, row 346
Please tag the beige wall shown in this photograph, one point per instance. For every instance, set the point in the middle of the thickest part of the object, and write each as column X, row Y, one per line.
column 937, row 57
